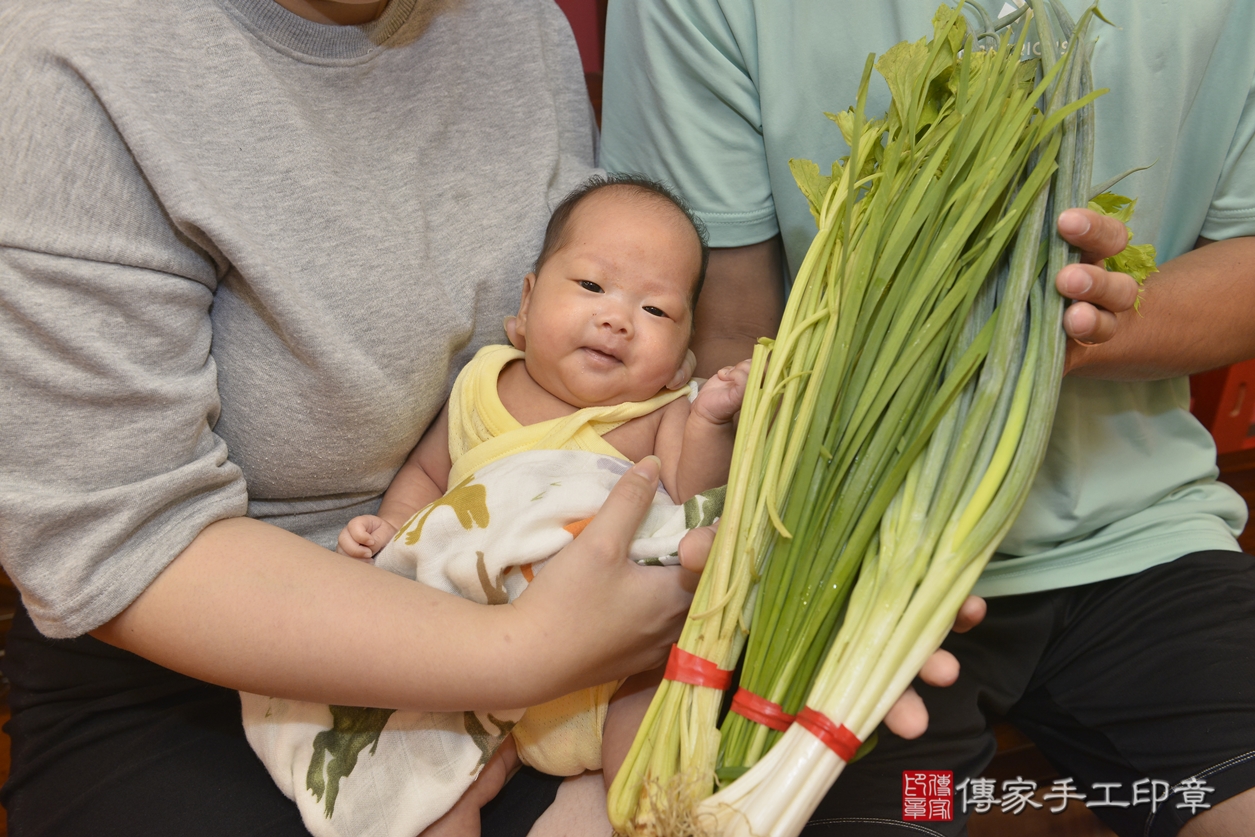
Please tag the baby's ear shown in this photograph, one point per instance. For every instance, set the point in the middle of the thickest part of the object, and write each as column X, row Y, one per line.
column 516, row 326
column 512, row 334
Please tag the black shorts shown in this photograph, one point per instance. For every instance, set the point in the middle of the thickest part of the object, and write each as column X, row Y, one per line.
column 106, row 743
column 1148, row 677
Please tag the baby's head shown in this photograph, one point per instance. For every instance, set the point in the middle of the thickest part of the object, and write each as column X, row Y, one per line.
column 607, row 313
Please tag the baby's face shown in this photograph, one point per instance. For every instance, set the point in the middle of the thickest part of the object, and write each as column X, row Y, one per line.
column 608, row 318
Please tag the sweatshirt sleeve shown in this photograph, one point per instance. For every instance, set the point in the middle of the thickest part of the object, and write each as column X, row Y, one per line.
column 108, row 392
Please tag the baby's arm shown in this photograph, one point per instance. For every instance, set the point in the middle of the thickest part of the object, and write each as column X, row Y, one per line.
column 420, row 481
column 695, row 440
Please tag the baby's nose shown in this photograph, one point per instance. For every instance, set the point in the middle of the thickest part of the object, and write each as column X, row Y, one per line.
column 614, row 318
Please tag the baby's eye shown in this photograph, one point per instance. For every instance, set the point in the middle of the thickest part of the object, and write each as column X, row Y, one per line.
column 657, row 312
column 591, row 286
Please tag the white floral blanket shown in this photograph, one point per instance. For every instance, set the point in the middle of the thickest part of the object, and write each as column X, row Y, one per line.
column 362, row 772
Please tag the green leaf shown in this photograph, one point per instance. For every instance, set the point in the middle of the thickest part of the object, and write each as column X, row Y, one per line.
column 949, row 24
column 845, row 121
column 1137, row 260
column 902, row 65
column 813, row 184
column 1115, row 206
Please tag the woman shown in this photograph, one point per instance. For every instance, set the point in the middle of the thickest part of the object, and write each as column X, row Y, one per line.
column 243, row 254
column 244, row 247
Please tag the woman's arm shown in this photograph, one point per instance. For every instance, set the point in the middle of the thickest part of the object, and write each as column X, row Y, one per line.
column 254, row 607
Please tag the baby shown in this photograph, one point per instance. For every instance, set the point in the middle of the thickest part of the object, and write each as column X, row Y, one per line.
column 605, row 320
column 597, row 372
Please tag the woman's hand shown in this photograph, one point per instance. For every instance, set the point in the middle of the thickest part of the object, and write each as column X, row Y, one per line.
column 597, row 615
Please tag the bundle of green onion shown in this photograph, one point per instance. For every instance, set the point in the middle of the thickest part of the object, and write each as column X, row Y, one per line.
column 891, row 432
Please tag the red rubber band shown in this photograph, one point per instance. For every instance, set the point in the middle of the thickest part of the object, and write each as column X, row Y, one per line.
column 839, row 739
column 760, row 710
column 684, row 667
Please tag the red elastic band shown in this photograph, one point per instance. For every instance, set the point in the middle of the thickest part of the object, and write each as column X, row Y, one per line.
column 839, row 739
column 760, row 710
column 688, row 668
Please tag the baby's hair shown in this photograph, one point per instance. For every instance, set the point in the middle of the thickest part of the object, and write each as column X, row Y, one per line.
column 644, row 186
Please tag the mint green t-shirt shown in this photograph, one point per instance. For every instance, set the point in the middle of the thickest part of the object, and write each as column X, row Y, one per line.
column 716, row 97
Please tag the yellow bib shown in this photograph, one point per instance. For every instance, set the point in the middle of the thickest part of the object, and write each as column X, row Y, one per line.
column 481, row 430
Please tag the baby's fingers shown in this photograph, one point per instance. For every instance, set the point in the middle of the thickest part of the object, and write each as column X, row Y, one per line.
column 345, row 545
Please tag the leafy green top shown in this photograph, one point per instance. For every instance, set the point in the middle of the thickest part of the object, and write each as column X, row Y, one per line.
column 1137, row 260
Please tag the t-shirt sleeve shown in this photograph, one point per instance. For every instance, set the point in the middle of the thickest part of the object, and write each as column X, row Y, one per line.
column 1232, row 211
column 680, row 104
column 108, row 392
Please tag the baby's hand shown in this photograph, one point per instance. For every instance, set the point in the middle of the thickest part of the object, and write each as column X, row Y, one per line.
column 720, row 397
column 364, row 536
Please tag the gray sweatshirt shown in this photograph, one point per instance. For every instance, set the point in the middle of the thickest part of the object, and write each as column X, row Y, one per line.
column 242, row 256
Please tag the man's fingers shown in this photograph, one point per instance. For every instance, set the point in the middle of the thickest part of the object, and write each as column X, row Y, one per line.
column 940, row 669
column 907, row 718
column 1098, row 294
column 1090, row 283
column 970, row 614
column 1098, row 236
column 625, row 508
column 1089, row 325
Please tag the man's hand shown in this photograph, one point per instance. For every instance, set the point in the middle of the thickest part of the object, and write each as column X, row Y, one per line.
column 1098, row 295
column 908, row 718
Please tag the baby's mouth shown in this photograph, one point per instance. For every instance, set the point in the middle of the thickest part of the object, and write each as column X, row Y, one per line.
column 602, row 355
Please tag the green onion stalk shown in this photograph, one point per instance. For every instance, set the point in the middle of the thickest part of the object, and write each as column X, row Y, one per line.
column 948, row 199
column 678, row 736
column 963, row 466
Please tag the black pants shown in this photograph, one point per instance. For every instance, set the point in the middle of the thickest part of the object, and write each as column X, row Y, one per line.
column 106, row 743
column 1151, row 676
